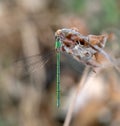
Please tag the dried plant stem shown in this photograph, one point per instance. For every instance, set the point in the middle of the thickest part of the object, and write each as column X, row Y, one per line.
column 72, row 105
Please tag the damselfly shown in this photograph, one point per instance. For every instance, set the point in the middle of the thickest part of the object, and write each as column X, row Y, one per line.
column 57, row 47
column 85, row 49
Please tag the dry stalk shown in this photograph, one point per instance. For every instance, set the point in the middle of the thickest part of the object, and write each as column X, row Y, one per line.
column 72, row 105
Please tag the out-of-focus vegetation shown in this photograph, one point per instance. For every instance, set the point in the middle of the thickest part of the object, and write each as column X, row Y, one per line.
column 27, row 82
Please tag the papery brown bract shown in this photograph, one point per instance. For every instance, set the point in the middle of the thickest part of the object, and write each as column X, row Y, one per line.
column 86, row 49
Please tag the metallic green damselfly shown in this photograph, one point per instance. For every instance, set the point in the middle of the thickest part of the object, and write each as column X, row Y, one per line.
column 57, row 47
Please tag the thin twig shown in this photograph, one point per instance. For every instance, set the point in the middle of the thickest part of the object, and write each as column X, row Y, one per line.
column 72, row 105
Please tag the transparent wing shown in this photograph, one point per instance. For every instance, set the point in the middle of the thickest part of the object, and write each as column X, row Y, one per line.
column 31, row 64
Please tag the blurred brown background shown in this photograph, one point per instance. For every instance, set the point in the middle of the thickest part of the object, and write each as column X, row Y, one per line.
column 27, row 63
